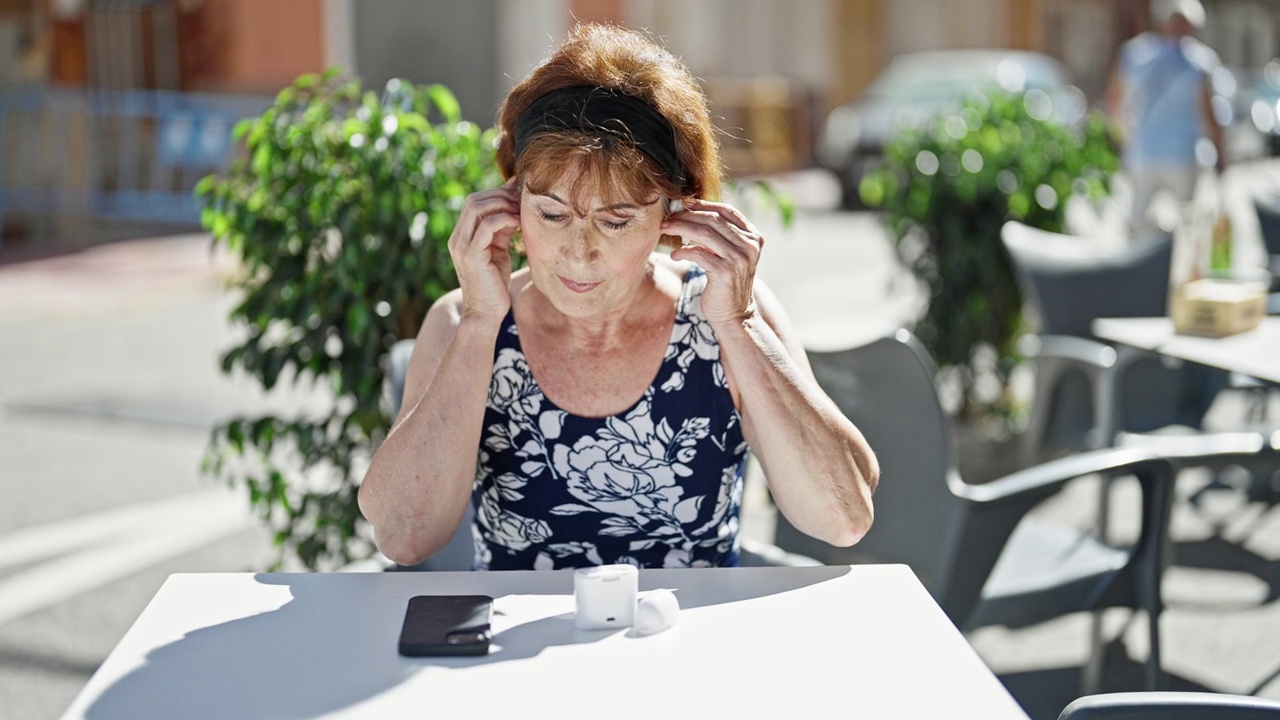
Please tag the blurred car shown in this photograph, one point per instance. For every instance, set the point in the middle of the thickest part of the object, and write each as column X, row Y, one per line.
column 918, row 86
column 1232, row 99
column 1261, row 89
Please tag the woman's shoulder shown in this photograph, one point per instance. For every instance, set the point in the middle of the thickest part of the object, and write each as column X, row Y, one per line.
column 447, row 309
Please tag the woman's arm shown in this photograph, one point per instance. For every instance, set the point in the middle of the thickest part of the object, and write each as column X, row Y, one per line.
column 418, row 485
column 820, row 469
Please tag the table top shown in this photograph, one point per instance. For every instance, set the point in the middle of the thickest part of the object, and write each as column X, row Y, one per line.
column 1255, row 353
column 863, row 641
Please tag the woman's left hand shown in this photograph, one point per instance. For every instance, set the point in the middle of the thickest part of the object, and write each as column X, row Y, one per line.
column 727, row 246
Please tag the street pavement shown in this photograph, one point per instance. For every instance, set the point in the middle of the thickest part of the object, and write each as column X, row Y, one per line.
column 109, row 384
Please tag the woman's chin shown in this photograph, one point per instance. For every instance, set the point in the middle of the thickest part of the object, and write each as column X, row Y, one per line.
column 569, row 303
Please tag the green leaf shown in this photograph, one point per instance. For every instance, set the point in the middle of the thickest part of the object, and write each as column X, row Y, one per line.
column 445, row 102
column 242, row 129
column 235, row 436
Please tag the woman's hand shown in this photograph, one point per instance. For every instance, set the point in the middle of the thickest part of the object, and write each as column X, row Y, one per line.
column 727, row 246
column 480, row 248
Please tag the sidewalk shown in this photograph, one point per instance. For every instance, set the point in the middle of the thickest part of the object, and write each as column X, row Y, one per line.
column 108, row 388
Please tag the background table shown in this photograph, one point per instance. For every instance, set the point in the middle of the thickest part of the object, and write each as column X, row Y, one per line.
column 1255, row 353
column 865, row 642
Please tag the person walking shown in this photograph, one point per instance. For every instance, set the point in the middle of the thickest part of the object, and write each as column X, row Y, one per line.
column 1160, row 95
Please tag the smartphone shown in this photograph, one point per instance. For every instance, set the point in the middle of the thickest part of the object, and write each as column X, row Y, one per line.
column 447, row 625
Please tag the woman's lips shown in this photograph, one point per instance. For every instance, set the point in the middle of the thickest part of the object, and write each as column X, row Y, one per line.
column 578, row 287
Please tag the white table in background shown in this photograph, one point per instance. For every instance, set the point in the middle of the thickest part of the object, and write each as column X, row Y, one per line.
column 862, row 641
column 1255, row 353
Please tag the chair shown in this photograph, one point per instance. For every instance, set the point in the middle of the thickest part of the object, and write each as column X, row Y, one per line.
column 1171, row 706
column 1268, row 209
column 1067, row 285
column 973, row 546
column 459, row 553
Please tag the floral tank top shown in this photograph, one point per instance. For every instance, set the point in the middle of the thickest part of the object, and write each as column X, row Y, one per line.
column 658, row 485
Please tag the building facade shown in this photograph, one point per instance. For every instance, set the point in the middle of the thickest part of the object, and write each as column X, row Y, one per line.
column 771, row 66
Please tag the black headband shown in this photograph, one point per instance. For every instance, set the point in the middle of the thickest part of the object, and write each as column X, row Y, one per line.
column 604, row 111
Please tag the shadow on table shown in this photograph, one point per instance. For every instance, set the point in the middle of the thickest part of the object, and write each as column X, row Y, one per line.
column 738, row 584
column 312, row 665
column 1044, row 693
column 324, row 656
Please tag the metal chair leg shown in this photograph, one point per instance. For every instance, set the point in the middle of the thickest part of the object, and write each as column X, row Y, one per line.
column 1091, row 674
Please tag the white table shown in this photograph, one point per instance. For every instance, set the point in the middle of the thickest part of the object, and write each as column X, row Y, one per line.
column 865, row 642
column 1255, row 353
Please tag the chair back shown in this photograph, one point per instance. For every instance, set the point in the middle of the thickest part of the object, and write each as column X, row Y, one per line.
column 397, row 367
column 1171, row 706
column 1070, row 283
column 1268, row 209
column 887, row 389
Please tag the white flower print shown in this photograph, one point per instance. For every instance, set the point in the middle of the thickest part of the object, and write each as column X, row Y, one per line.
column 512, row 389
column 483, row 555
column 697, row 334
column 717, row 374
column 504, row 527
column 693, row 331
column 564, row 550
column 630, row 471
column 730, row 496
column 692, row 337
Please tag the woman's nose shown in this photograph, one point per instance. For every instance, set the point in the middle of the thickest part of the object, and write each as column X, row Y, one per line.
column 582, row 245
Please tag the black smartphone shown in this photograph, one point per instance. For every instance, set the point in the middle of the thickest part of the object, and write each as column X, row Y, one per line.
column 447, row 625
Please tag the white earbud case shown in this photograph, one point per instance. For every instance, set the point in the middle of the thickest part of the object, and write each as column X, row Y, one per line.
column 605, row 597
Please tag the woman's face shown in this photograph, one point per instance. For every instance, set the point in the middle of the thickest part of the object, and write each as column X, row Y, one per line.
column 593, row 264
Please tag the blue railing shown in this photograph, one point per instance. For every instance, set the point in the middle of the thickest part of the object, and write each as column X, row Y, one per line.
column 132, row 154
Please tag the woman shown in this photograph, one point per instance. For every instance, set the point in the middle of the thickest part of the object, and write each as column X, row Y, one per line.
column 596, row 406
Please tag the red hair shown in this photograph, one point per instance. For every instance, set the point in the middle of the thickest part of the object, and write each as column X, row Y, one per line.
column 629, row 62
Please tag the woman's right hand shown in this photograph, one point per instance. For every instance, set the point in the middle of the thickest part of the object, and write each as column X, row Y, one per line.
column 480, row 247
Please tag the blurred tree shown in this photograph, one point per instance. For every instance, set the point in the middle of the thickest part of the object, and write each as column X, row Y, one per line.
column 947, row 188
column 339, row 212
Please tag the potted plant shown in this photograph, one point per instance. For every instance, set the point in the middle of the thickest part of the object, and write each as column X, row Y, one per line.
column 339, row 212
column 945, row 191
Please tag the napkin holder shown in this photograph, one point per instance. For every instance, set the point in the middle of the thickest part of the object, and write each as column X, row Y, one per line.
column 1212, row 307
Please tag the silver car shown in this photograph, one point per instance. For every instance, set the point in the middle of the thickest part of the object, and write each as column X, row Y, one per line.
column 918, row 86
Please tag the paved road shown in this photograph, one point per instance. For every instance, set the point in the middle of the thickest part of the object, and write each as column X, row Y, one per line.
column 109, row 383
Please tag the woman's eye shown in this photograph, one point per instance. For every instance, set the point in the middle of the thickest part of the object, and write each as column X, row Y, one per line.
column 549, row 217
column 616, row 225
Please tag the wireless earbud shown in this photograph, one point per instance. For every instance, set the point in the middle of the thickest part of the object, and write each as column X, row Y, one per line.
column 656, row 612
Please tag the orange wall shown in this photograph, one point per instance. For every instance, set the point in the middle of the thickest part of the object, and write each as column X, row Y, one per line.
column 599, row 11
column 860, row 51
column 270, row 43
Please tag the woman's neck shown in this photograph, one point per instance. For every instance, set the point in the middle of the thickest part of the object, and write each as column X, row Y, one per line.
column 650, row 301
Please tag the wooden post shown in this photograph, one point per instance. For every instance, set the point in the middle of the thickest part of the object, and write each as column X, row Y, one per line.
column 859, row 47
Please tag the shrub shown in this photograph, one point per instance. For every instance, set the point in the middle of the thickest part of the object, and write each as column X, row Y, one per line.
column 339, row 212
column 945, row 191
